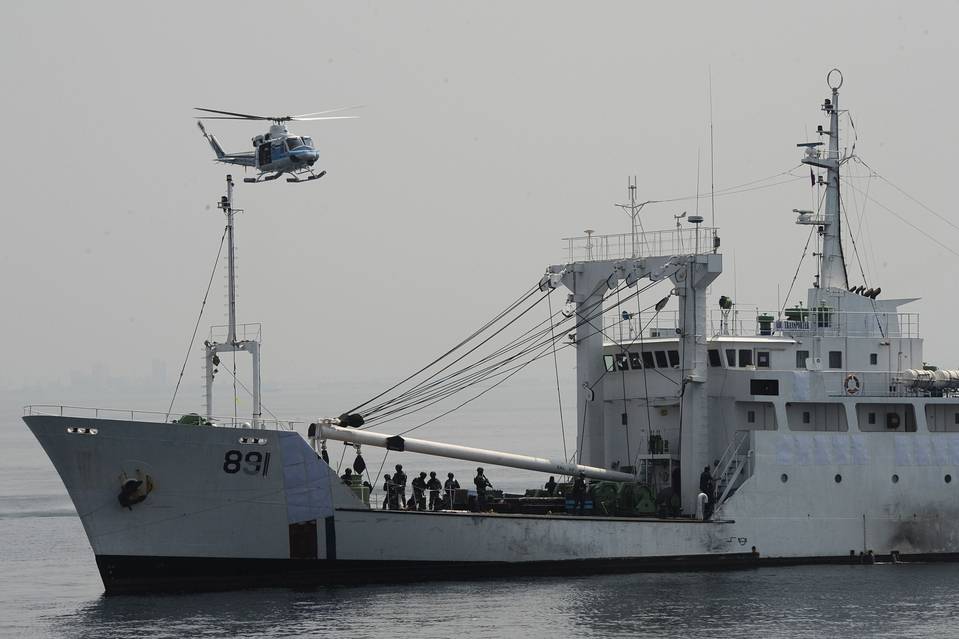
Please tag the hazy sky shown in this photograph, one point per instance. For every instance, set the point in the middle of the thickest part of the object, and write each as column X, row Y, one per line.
column 490, row 131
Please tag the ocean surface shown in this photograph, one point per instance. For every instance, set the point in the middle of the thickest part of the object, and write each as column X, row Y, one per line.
column 50, row 586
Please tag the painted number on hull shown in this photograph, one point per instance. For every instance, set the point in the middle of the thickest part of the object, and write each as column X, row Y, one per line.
column 255, row 462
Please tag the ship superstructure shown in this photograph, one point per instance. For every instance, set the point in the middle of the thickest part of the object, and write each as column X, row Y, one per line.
column 714, row 435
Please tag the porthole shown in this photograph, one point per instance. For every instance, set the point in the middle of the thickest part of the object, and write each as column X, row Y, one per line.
column 895, row 479
column 784, row 478
column 948, row 478
column 838, row 478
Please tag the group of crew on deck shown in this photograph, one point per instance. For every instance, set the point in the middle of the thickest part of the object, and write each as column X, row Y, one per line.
column 394, row 487
column 430, row 494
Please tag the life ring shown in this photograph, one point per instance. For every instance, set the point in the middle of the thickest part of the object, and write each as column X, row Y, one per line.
column 852, row 384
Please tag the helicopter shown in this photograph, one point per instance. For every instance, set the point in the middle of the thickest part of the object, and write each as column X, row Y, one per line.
column 277, row 151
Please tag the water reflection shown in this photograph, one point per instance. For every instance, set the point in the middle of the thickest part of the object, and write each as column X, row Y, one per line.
column 884, row 601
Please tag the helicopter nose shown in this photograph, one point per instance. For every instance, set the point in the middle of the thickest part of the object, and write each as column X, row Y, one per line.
column 306, row 156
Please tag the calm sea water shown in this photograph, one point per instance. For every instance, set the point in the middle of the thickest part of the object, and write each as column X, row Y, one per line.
column 50, row 586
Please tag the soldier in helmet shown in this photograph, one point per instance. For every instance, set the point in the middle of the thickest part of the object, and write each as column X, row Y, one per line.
column 450, row 486
column 389, row 490
column 434, row 485
column 419, row 491
column 399, row 484
column 482, row 483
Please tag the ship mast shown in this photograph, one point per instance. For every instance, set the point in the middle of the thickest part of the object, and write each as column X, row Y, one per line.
column 832, row 264
column 232, row 344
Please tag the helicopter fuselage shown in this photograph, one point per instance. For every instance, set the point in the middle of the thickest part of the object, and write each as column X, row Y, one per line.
column 278, row 151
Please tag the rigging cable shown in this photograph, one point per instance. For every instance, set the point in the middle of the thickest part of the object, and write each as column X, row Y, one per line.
column 196, row 326
column 461, row 357
column 902, row 219
column 559, row 396
column 625, row 401
column 438, row 390
column 521, row 299
column 887, row 181
column 488, row 373
column 424, row 386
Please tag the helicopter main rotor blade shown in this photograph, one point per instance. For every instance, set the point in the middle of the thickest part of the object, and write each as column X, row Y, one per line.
column 306, row 115
column 326, row 117
column 235, row 116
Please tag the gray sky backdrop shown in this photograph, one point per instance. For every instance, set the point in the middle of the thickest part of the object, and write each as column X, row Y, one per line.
column 490, row 131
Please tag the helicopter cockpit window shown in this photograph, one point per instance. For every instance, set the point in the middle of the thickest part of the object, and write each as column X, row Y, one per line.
column 308, row 142
column 292, row 143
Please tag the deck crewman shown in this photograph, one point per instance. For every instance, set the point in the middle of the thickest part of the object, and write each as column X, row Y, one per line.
column 390, row 501
column 450, row 486
column 347, row 477
column 419, row 491
column 481, row 483
column 399, row 484
column 550, row 486
column 579, row 493
column 434, row 485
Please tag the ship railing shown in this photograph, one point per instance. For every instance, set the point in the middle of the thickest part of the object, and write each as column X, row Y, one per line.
column 888, row 383
column 136, row 415
column 244, row 332
column 681, row 241
column 751, row 322
column 735, row 461
column 624, row 327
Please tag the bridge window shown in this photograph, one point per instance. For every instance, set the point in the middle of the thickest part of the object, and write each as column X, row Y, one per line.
column 714, row 359
column 745, row 357
column 801, row 357
column 673, row 358
column 661, row 361
column 731, row 357
column 648, row 360
column 873, row 358
column 835, row 359
column 872, row 418
column 622, row 363
column 610, row 365
column 762, row 359
column 634, row 362
column 750, row 417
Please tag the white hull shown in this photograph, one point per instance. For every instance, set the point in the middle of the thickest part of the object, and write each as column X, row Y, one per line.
column 201, row 526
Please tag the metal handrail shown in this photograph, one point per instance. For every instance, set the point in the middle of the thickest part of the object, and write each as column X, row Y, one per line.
column 681, row 241
column 729, row 456
column 64, row 410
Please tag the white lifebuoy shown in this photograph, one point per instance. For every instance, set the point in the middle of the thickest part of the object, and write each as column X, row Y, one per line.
column 852, row 384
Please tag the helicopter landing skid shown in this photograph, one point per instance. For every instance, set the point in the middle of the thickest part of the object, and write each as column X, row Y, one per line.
column 313, row 176
column 261, row 178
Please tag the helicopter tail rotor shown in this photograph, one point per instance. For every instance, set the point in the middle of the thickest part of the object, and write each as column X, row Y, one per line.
column 212, row 140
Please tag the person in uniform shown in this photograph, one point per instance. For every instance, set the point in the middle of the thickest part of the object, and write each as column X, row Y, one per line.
column 450, row 486
column 550, row 486
column 390, row 501
column 399, row 484
column 347, row 477
column 419, row 491
column 705, row 479
column 579, row 493
column 481, row 483
column 434, row 485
